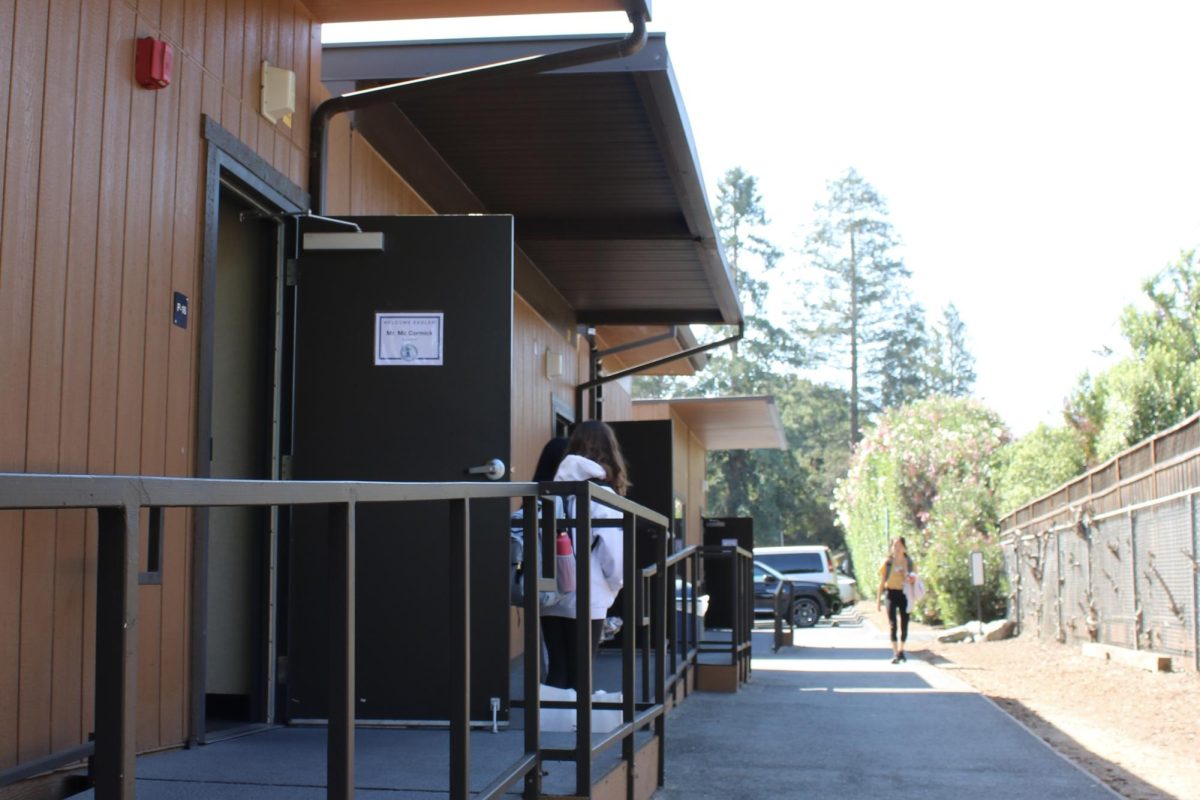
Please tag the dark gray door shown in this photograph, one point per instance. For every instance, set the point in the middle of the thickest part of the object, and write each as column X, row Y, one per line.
column 402, row 373
column 718, row 573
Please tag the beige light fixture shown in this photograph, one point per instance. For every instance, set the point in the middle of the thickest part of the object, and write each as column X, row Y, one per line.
column 554, row 363
column 278, row 94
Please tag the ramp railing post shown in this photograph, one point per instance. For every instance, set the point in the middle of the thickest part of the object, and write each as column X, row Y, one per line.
column 460, row 648
column 340, row 742
column 583, row 641
column 116, row 651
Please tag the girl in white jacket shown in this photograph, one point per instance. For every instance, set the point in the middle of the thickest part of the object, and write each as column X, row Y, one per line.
column 592, row 455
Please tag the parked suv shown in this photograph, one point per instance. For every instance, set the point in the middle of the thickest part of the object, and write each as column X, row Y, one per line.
column 809, row 562
column 810, row 601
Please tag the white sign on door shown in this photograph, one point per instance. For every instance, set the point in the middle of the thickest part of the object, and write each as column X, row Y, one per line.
column 408, row 340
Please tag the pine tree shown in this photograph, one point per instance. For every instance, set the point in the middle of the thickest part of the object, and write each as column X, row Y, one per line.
column 860, row 295
column 950, row 365
column 787, row 492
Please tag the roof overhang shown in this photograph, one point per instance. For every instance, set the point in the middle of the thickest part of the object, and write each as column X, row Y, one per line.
column 723, row 423
column 362, row 10
column 626, row 346
column 596, row 164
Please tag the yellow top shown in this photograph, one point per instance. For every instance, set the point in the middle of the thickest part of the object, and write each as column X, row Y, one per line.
column 896, row 576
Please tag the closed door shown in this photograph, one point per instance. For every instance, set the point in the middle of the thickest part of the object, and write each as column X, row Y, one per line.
column 402, row 373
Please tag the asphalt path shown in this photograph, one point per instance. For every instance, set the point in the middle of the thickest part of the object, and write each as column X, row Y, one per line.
column 832, row 717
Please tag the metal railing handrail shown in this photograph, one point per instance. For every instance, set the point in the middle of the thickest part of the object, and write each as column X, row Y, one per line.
column 738, row 648
column 119, row 499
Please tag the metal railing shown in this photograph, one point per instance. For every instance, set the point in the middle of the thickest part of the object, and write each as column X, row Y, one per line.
column 119, row 500
column 740, row 600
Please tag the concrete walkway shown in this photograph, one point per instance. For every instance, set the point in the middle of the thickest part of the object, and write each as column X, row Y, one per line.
column 833, row 718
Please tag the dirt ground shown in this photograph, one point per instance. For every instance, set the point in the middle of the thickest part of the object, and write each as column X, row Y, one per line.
column 1137, row 731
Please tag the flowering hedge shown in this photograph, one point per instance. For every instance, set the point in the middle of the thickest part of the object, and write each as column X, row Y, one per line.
column 933, row 466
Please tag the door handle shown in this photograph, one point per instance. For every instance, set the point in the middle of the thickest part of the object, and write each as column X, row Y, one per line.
column 492, row 470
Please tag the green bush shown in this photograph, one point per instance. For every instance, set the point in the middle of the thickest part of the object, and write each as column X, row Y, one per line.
column 1037, row 463
column 930, row 470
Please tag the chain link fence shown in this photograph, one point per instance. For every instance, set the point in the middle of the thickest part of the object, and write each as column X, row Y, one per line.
column 1114, row 556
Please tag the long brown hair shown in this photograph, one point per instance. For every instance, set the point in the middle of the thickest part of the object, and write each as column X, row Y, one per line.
column 595, row 440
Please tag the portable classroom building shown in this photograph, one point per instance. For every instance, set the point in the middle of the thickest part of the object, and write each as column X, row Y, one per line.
column 144, row 237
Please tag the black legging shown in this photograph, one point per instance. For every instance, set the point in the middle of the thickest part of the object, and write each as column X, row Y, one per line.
column 898, row 605
column 559, row 633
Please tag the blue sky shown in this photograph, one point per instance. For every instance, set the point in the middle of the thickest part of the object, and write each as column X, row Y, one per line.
column 1039, row 159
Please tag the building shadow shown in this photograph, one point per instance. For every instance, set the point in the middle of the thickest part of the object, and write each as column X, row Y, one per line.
column 1115, row 776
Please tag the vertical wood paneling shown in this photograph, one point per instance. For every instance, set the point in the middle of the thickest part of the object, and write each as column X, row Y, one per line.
column 195, row 14
column 252, row 48
column 158, row 300
column 7, row 10
column 131, row 344
column 52, row 220
column 337, row 166
column 172, row 21
column 148, row 662
column 281, row 156
column 180, row 389
column 10, row 633
column 150, row 11
column 17, row 255
column 285, row 33
column 270, row 31
column 268, row 145
column 248, row 127
column 185, row 256
column 306, row 48
column 235, row 26
column 37, row 618
column 531, row 389
column 110, row 249
column 211, row 98
column 67, row 670
column 69, row 295
column 10, row 522
column 20, row 207
column 79, row 319
column 173, row 649
column 214, row 38
column 698, row 500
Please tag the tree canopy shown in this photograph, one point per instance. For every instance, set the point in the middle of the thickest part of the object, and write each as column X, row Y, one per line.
column 1158, row 385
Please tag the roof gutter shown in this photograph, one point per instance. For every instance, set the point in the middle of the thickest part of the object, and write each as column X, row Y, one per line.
column 637, row 10
column 596, row 382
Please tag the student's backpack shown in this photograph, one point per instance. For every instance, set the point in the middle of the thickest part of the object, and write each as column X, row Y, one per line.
column 516, row 559
column 516, row 552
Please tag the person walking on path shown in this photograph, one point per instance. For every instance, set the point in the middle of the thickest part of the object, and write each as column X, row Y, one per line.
column 894, row 574
column 592, row 454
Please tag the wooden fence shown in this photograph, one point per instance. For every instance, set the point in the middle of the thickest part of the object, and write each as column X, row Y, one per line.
column 1114, row 555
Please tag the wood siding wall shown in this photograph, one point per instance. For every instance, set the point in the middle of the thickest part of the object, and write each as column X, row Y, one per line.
column 697, row 483
column 100, row 220
column 690, row 458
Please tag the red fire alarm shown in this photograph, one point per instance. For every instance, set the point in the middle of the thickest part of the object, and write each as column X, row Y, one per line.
column 153, row 64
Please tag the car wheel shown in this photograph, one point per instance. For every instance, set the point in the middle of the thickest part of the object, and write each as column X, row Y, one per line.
column 805, row 612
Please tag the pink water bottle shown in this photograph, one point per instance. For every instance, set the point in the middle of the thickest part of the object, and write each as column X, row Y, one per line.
column 564, row 563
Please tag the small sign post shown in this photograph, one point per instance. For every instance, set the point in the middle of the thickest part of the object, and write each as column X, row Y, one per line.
column 977, row 581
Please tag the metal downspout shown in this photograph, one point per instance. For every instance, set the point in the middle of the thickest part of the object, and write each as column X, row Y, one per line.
column 603, row 379
column 451, row 81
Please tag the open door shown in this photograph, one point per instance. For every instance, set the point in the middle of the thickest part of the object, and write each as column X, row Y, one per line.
column 402, row 373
